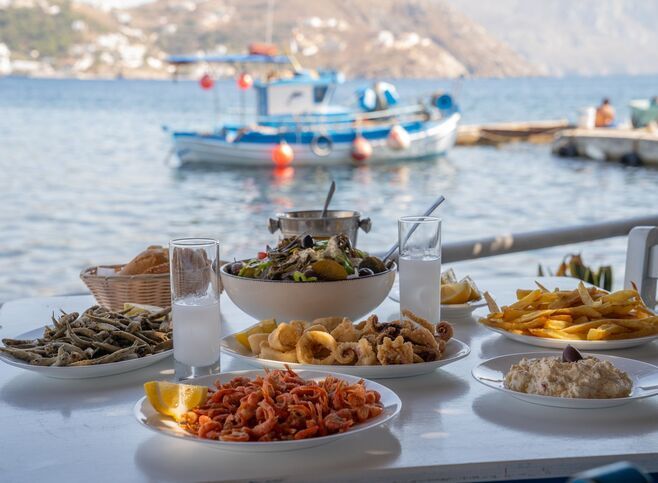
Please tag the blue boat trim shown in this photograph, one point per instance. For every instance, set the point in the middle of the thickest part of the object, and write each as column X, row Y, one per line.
column 345, row 136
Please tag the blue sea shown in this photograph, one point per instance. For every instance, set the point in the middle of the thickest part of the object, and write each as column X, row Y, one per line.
column 84, row 178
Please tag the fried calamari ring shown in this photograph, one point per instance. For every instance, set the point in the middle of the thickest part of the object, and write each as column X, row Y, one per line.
column 345, row 332
column 329, row 322
column 315, row 347
column 318, row 327
column 284, row 338
column 266, row 352
column 346, row 353
column 444, row 331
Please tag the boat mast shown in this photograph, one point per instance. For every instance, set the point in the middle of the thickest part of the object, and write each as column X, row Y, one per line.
column 269, row 21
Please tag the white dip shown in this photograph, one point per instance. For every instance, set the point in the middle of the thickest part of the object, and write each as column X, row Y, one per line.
column 588, row 378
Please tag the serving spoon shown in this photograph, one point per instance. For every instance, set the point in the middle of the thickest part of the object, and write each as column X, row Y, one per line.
column 429, row 211
column 330, row 195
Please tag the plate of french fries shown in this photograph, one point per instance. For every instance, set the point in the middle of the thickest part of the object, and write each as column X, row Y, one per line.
column 587, row 318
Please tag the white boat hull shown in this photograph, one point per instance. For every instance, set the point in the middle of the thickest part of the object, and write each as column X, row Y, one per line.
column 608, row 144
column 438, row 138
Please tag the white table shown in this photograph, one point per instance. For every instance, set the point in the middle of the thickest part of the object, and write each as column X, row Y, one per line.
column 451, row 428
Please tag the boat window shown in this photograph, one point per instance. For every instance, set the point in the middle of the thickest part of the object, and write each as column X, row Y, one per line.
column 318, row 93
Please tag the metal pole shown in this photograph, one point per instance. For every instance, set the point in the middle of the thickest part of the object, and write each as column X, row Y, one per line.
column 533, row 240
column 270, row 21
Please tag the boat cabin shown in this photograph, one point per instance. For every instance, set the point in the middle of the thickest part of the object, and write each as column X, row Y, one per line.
column 303, row 93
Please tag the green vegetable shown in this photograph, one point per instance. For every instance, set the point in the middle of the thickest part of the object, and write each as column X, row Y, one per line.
column 300, row 277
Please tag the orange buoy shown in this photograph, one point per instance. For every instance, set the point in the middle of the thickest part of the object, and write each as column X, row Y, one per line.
column 398, row 138
column 245, row 81
column 282, row 154
column 206, row 82
column 361, row 148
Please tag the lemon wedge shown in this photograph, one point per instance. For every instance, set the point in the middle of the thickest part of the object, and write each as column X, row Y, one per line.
column 174, row 400
column 136, row 309
column 455, row 293
column 262, row 327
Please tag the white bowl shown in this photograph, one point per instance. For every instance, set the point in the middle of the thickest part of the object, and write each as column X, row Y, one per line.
column 287, row 300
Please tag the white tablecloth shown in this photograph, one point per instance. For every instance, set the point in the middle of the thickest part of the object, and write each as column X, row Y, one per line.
column 450, row 429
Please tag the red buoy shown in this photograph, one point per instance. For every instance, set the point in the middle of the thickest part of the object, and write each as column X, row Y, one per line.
column 282, row 154
column 245, row 81
column 361, row 148
column 206, row 82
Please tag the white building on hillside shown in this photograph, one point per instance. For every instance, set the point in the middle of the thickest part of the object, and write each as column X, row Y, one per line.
column 5, row 60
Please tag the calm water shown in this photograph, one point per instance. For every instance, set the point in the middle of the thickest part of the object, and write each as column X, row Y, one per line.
column 83, row 179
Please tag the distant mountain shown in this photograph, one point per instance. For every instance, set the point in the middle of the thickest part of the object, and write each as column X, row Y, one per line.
column 397, row 38
column 363, row 38
column 574, row 37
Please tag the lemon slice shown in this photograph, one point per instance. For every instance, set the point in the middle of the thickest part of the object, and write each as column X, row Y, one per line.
column 174, row 400
column 455, row 293
column 263, row 327
column 475, row 292
column 136, row 309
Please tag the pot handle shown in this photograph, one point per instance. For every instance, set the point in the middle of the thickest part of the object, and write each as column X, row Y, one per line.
column 365, row 224
column 273, row 225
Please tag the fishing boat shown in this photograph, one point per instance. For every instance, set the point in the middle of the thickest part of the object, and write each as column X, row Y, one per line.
column 297, row 124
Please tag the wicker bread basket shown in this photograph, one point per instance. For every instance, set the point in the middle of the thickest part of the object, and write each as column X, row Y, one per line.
column 112, row 291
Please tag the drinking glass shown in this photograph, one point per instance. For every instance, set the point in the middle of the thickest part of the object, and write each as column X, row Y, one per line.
column 420, row 266
column 194, row 269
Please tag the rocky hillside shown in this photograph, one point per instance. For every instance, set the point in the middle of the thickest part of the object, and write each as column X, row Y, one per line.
column 364, row 38
column 584, row 37
column 398, row 38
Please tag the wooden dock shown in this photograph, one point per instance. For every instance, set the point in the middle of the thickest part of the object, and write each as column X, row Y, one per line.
column 628, row 146
column 507, row 132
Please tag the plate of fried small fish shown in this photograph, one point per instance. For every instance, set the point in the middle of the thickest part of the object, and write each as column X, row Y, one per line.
column 95, row 343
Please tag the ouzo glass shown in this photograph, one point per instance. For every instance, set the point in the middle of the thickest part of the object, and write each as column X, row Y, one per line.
column 194, row 265
column 420, row 266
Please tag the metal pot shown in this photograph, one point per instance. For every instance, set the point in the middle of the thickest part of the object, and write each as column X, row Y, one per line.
column 293, row 223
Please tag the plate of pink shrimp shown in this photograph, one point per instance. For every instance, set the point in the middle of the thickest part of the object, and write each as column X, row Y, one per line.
column 278, row 410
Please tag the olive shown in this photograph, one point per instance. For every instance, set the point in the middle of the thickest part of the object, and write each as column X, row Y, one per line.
column 372, row 263
column 365, row 272
column 235, row 267
column 307, row 241
column 309, row 272
column 571, row 354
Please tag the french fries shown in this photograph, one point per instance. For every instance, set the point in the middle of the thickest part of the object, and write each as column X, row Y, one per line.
column 580, row 314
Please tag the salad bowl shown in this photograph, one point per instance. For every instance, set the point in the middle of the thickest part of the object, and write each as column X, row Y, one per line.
column 286, row 300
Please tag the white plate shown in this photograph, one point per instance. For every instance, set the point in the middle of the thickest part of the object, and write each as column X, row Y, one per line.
column 83, row 372
column 164, row 425
column 449, row 312
column 644, row 376
column 589, row 345
column 455, row 350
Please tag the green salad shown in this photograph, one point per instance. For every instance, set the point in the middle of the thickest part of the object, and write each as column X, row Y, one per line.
column 304, row 259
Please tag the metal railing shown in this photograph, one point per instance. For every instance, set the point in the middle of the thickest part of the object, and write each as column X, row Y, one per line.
column 534, row 240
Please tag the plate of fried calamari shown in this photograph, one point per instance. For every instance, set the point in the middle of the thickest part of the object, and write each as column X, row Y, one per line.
column 370, row 348
column 97, row 342
column 586, row 318
column 261, row 411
